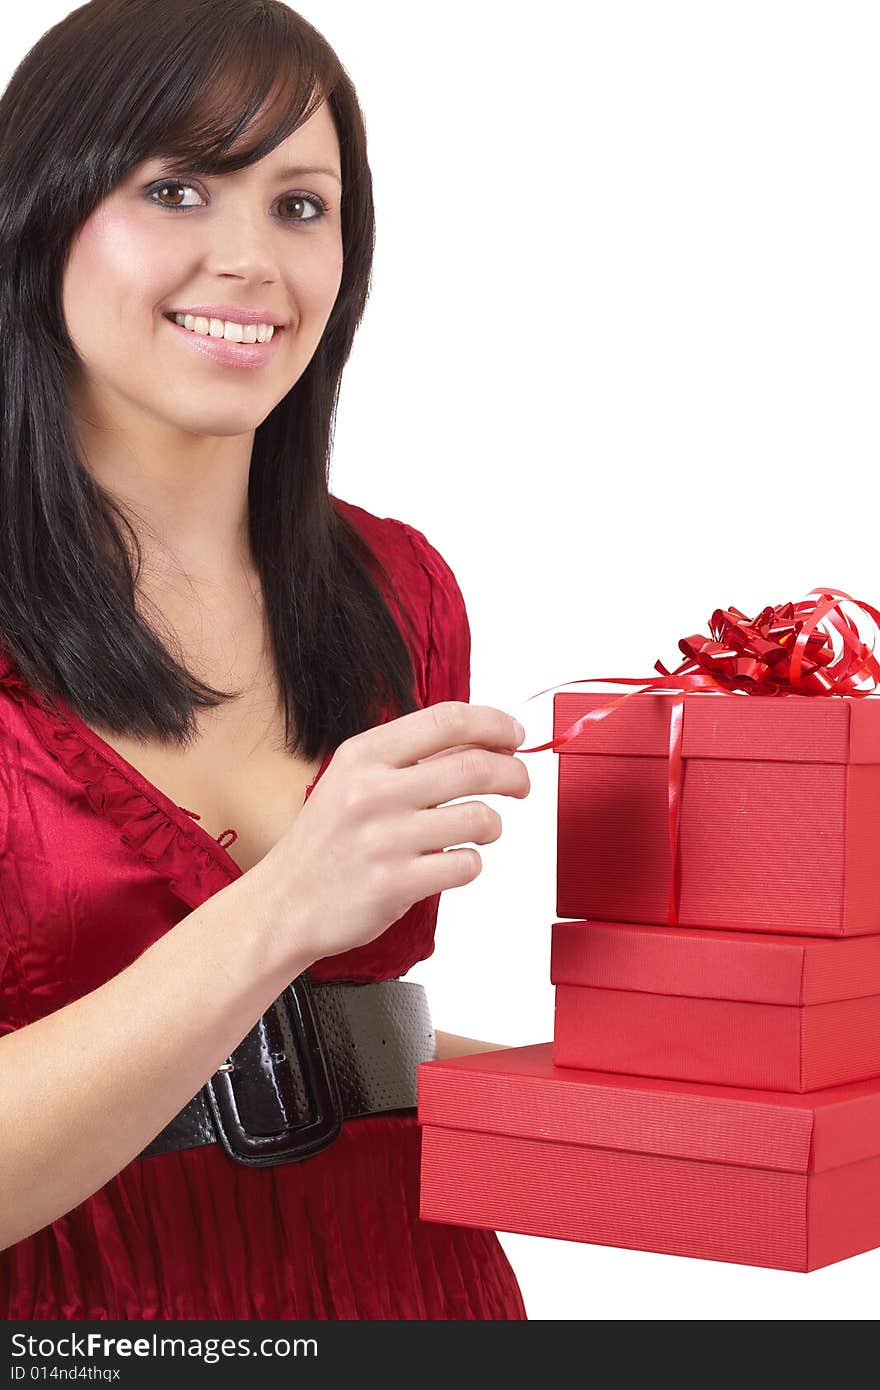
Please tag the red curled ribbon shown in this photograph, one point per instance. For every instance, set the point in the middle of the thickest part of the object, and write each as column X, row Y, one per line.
column 786, row 650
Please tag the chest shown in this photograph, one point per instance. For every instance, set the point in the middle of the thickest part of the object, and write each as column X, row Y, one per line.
column 232, row 779
column 237, row 774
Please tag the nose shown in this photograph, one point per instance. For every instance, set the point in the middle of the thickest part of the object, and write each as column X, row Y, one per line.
column 242, row 242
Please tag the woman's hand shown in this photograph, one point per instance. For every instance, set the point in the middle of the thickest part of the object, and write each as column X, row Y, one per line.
column 452, row 1045
column 372, row 837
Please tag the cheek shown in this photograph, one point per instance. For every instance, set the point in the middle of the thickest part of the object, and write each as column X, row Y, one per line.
column 318, row 279
column 116, row 273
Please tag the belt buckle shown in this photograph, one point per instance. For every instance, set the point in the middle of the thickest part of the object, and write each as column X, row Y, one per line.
column 296, row 1142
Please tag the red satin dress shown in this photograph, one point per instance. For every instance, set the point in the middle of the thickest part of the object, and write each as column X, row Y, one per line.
column 95, row 864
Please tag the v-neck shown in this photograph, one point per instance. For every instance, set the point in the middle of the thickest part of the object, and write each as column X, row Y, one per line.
column 147, row 789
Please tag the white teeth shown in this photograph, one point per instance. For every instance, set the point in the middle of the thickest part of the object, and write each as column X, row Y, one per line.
column 225, row 328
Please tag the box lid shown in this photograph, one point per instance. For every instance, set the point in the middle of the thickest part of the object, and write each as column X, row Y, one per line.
column 708, row 964
column 762, row 728
column 518, row 1091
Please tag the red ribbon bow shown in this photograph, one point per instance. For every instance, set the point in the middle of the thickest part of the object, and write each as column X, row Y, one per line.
column 787, row 650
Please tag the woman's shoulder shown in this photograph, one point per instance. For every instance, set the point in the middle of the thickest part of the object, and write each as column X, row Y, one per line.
column 409, row 557
column 425, row 583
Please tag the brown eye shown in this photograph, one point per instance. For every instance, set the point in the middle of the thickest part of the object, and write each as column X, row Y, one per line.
column 291, row 204
column 175, row 186
column 293, row 201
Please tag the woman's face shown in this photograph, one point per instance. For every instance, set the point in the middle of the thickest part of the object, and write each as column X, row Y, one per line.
column 254, row 239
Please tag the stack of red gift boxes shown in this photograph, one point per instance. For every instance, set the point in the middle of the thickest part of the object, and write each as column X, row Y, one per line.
column 713, row 1086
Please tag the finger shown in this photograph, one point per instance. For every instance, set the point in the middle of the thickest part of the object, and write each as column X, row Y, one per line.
column 462, row 773
column 444, row 869
column 467, row 822
column 437, row 728
column 460, row 747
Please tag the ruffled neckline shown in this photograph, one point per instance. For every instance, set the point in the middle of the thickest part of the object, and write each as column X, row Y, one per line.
column 150, row 823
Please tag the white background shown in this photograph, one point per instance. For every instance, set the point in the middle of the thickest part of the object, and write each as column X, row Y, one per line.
column 620, row 366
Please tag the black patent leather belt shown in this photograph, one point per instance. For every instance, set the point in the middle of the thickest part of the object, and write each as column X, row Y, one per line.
column 320, row 1054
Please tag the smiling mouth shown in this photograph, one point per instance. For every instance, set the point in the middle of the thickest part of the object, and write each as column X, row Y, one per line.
column 221, row 337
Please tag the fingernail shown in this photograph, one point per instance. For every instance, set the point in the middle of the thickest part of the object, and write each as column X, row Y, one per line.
column 521, row 733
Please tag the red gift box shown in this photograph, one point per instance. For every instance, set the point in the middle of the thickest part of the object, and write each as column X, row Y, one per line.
column 512, row 1143
column 779, row 817
column 780, row 1013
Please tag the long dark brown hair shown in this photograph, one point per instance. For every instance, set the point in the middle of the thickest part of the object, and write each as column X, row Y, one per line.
column 115, row 83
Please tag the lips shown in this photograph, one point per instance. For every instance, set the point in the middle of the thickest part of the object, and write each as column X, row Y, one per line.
column 225, row 351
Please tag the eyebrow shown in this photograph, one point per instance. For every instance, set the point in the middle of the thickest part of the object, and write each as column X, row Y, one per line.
column 294, row 171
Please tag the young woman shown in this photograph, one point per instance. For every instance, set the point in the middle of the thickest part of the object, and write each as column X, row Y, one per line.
column 231, row 705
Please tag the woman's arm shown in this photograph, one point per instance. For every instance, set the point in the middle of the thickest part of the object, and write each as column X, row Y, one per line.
column 452, row 1045
column 84, row 1089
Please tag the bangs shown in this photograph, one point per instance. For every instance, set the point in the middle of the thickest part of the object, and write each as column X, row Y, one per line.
column 244, row 96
